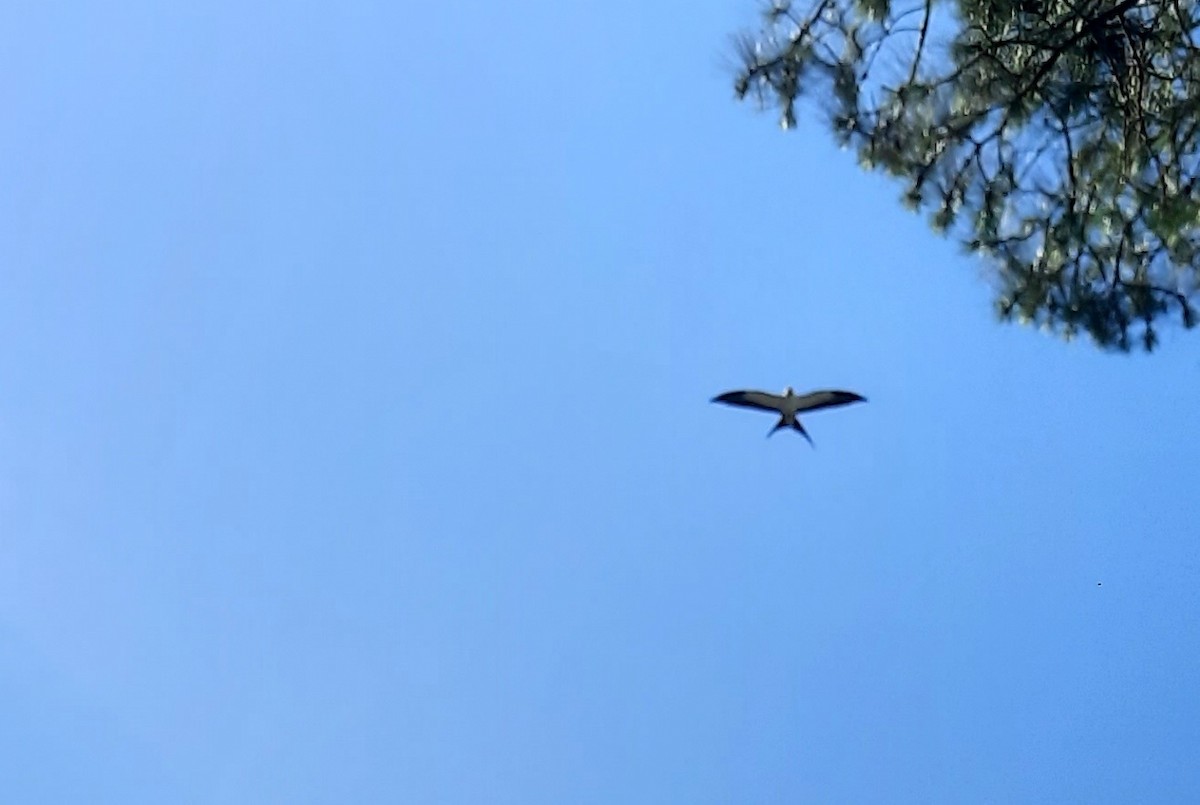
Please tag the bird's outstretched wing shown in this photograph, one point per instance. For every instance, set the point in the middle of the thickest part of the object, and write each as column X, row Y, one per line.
column 826, row 399
column 751, row 399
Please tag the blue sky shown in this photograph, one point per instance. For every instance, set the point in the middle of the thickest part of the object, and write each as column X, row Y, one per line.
column 355, row 442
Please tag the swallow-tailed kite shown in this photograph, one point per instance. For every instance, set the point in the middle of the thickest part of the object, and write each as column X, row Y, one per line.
column 789, row 404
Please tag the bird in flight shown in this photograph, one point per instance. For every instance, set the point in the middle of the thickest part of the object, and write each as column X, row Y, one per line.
column 789, row 404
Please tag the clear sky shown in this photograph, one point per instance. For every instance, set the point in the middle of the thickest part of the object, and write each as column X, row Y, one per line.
column 355, row 442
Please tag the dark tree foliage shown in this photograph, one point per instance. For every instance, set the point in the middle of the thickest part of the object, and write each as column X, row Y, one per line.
column 1059, row 139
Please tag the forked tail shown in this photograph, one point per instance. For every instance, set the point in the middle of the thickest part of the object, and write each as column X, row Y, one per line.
column 795, row 425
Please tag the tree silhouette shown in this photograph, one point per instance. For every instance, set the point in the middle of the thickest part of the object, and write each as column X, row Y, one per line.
column 1059, row 139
